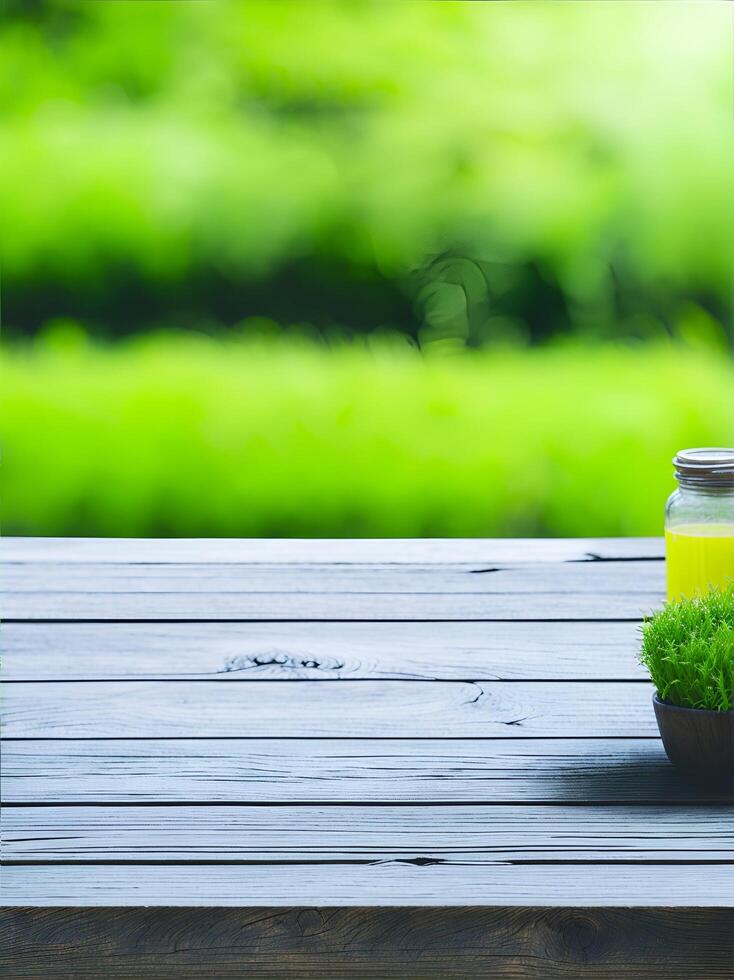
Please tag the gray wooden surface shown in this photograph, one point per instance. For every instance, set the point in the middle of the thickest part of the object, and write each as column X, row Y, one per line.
column 391, row 758
column 310, row 591
column 273, row 770
column 366, row 709
column 474, row 833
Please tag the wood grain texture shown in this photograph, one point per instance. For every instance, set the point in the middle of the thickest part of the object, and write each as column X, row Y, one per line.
column 305, row 943
column 346, row 550
column 408, row 709
column 344, row 771
column 382, row 883
column 113, row 591
column 511, row 763
column 115, row 578
column 450, row 834
column 321, row 651
column 345, row 607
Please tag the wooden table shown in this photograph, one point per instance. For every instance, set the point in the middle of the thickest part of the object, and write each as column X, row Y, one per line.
column 322, row 759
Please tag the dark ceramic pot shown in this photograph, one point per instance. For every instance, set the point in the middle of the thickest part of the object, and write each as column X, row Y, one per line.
column 699, row 743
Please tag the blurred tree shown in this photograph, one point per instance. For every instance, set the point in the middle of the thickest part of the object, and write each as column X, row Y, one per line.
column 500, row 171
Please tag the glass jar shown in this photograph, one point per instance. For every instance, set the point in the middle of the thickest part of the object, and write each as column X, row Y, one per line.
column 699, row 523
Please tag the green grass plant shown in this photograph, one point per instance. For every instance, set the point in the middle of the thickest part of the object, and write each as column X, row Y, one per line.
column 190, row 435
column 688, row 647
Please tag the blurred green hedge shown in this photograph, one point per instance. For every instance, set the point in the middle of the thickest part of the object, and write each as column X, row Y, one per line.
column 464, row 169
column 189, row 435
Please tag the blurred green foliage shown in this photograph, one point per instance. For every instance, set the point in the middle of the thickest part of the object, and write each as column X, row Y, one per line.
column 463, row 174
column 190, row 435
column 472, row 170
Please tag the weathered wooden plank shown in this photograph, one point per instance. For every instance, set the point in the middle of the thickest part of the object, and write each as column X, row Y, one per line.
column 156, row 606
column 306, row 943
column 114, row 578
column 112, row 591
column 347, row 550
column 384, row 883
column 343, row 770
column 321, row 651
column 481, row 709
column 450, row 834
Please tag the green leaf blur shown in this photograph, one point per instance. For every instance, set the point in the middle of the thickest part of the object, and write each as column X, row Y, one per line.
column 369, row 267
column 186, row 162
column 191, row 435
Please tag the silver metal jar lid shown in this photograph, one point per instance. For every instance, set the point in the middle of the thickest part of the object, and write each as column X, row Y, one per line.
column 708, row 467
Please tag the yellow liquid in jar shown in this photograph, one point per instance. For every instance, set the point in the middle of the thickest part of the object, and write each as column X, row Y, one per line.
column 699, row 557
